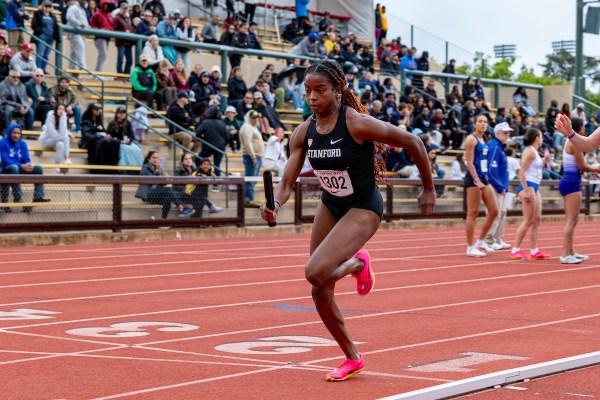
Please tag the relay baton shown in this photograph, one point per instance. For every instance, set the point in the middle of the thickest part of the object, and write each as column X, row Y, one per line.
column 269, row 196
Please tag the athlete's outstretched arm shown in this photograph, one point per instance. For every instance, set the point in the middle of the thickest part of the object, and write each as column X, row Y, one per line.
column 365, row 127
column 586, row 144
column 293, row 167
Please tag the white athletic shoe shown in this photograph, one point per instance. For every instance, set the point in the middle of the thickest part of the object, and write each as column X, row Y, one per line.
column 495, row 246
column 570, row 260
column 503, row 245
column 581, row 256
column 474, row 252
column 485, row 247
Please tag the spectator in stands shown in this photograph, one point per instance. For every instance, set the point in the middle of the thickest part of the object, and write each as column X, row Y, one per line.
column 159, row 194
column 143, row 82
column 45, row 28
column 239, row 40
column 275, row 158
column 293, row 33
column 77, row 18
column 213, row 131
column 268, row 116
column 449, row 68
column 252, row 152
column 520, row 95
column 302, row 15
column 513, row 164
column 578, row 112
column 452, row 131
column 63, row 94
column 130, row 153
column 408, row 63
column 102, row 148
column 15, row 159
column 479, row 95
column 215, row 79
column 468, row 116
column 187, row 33
column 209, row 30
column 253, row 39
column 249, row 10
column 38, row 92
column 15, row 22
column 436, row 127
column 399, row 161
column 454, row 98
column 122, row 23
column 377, row 111
column 24, row 63
column 154, row 52
column 245, row 105
column 156, row 7
column 236, row 87
column 136, row 11
column 63, row 11
column 179, row 113
column 403, row 116
column 501, row 116
column 550, row 137
column 145, row 27
column 378, row 24
column 468, row 90
column 366, row 98
column 56, row 135
column 291, row 91
column 372, row 81
column 139, row 123
column 422, row 65
column 204, row 92
column 227, row 36
column 422, row 121
column 195, row 74
column 103, row 20
column 458, row 168
column 196, row 195
column 336, row 54
column 233, row 125
column 4, row 62
column 168, row 29
column 326, row 23
column 367, row 57
column 180, row 77
column 165, row 84
column 14, row 103
column 308, row 46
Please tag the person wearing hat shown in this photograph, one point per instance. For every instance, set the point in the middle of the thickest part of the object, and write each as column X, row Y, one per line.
column 253, row 149
column 233, row 125
column 120, row 128
column 204, row 92
column 167, row 29
column 77, row 18
column 45, row 28
column 215, row 79
column 309, row 46
column 14, row 101
column 24, row 63
column 179, row 113
column 38, row 92
column 143, row 82
column 498, row 178
column 15, row 23
column 122, row 23
column 579, row 112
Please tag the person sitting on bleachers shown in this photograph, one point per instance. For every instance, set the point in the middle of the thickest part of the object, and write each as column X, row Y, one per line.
column 165, row 85
column 209, row 30
column 233, row 126
column 293, row 33
column 399, row 161
column 130, row 152
column 102, row 148
column 454, row 98
column 245, row 105
column 14, row 102
column 268, row 116
column 182, row 82
column 15, row 159
column 452, row 132
column 203, row 93
column 24, row 63
column 308, row 46
column 236, row 87
column 56, row 135
column 196, row 195
column 143, row 82
column 179, row 113
column 215, row 79
column 4, row 62
column 38, row 91
column 63, row 94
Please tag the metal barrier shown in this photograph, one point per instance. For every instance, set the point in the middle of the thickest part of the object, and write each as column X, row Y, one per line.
column 92, row 202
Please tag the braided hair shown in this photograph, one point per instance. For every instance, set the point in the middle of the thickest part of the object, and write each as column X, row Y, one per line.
column 336, row 76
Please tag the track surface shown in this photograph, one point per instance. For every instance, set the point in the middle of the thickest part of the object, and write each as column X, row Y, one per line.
column 233, row 318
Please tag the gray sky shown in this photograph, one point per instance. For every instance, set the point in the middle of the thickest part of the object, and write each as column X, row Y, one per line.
column 478, row 25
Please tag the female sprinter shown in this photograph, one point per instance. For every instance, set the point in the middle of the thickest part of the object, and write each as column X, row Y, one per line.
column 530, row 175
column 478, row 188
column 570, row 188
column 583, row 143
column 341, row 141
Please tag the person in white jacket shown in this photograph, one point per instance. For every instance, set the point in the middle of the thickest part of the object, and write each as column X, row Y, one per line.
column 154, row 52
column 77, row 18
column 56, row 135
column 275, row 157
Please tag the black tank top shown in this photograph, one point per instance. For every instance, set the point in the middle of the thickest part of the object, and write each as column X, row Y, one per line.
column 344, row 167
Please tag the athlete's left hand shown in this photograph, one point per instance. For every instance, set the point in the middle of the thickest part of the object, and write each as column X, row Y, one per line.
column 426, row 201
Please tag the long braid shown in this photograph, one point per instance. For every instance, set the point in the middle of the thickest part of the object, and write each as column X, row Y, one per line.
column 336, row 75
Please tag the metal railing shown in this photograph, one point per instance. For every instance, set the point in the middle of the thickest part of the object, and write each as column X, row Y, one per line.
column 140, row 40
column 579, row 99
column 59, row 55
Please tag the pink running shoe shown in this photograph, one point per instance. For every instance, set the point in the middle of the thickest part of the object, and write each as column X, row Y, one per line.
column 539, row 256
column 365, row 279
column 347, row 369
column 519, row 255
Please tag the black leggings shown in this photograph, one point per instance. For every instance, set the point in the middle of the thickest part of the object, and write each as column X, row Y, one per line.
column 165, row 196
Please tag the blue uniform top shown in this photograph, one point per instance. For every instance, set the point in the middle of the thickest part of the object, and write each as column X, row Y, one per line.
column 480, row 158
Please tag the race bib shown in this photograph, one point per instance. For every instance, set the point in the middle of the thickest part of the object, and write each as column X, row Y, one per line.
column 336, row 183
column 484, row 165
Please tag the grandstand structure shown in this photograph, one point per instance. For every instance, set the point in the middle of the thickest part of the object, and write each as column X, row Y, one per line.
column 82, row 198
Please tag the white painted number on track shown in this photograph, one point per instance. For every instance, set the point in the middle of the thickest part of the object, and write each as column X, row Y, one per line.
column 26, row 314
column 277, row 345
column 131, row 329
column 462, row 364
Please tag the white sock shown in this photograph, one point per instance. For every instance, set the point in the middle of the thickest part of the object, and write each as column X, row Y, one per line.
column 481, row 243
column 470, row 247
column 515, row 249
column 533, row 251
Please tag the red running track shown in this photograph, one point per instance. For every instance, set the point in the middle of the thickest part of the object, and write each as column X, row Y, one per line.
column 233, row 318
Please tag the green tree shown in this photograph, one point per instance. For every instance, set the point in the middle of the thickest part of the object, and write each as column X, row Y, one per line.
column 501, row 69
column 562, row 65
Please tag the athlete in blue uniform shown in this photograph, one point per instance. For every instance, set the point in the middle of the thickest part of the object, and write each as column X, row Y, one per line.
column 570, row 188
column 478, row 188
column 340, row 142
